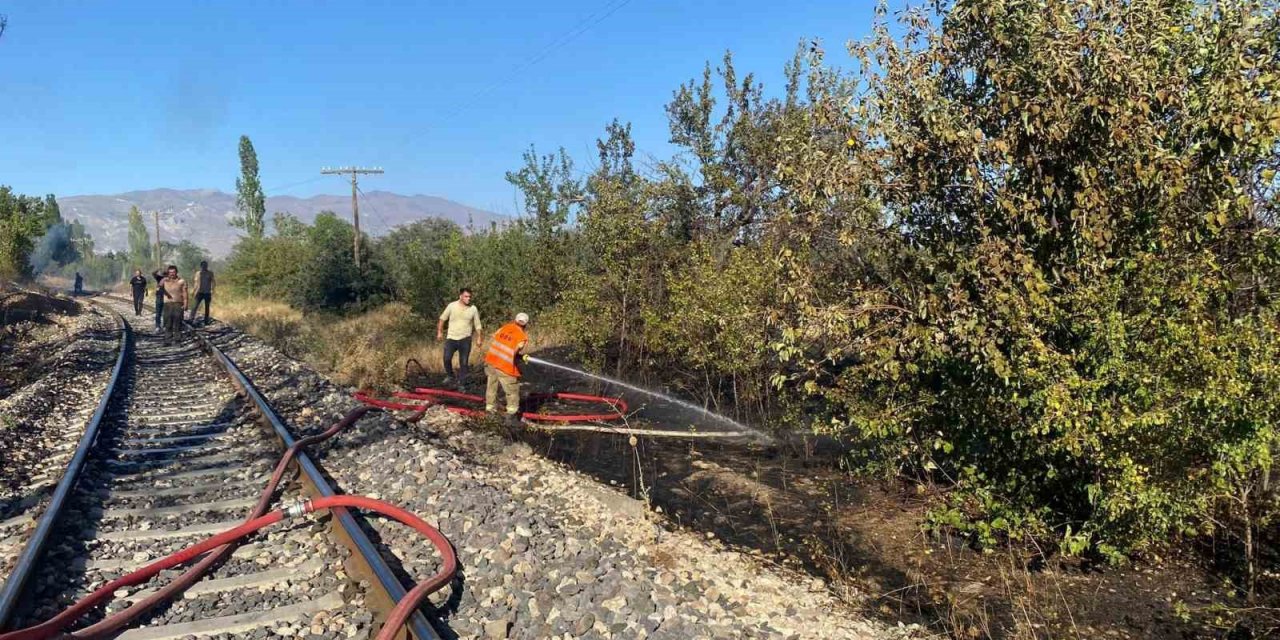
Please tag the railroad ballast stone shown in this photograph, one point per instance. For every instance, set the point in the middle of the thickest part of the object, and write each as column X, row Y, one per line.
column 99, row 538
column 541, row 555
column 42, row 422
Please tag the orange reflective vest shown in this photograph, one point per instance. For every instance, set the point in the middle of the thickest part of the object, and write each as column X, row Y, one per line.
column 506, row 343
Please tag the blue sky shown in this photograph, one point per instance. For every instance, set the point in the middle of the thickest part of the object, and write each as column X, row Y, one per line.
column 102, row 97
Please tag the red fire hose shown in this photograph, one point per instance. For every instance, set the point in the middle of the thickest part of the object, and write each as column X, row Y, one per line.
column 223, row 544
column 450, row 400
column 407, row 605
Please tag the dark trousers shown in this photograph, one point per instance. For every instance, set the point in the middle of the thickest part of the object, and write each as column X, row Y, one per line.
column 206, row 298
column 172, row 322
column 159, row 309
column 463, row 349
column 137, row 301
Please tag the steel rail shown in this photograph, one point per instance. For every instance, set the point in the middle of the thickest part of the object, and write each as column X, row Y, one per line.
column 370, row 561
column 17, row 579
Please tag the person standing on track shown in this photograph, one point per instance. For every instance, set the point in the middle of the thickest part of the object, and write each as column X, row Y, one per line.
column 500, row 365
column 175, row 289
column 203, row 285
column 139, row 285
column 463, row 319
column 159, row 276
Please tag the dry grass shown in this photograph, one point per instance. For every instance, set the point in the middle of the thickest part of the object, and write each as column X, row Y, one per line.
column 365, row 350
column 370, row 349
column 276, row 323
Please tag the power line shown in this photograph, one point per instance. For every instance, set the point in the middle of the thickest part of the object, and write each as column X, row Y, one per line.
column 584, row 25
column 577, row 31
column 296, row 184
column 376, row 214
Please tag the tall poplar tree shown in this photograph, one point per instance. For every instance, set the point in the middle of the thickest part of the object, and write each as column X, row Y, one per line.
column 250, row 201
column 139, row 238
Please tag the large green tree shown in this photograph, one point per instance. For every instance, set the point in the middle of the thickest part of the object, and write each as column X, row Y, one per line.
column 23, row 220
column 140, row 250
column 250, row 200
column 550, row 193
column 1077, row 325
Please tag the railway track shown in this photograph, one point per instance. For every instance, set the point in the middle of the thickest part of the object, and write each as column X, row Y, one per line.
column 178, row 449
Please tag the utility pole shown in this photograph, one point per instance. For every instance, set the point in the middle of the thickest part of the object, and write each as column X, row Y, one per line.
column 155, row 217
column 355, row 204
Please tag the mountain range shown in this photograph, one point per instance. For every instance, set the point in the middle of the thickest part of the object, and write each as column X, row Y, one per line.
column 203, row 215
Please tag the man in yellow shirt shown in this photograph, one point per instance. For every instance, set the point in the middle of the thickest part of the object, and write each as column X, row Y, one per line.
column 464, row 322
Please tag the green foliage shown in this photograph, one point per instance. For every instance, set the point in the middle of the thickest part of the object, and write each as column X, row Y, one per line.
column 267, row 267
column 330, row 279
column 250, row 200
column 140, row 250
column 309, row 266
column 52, row 212
column 550, row 194
column 23, row 220
column 186, row 255
column 423, row 263
column 1077, row 325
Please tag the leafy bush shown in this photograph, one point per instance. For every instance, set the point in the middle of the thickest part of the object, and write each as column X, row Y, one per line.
column 1078, row 326
column 23, row 220
column 309, row 266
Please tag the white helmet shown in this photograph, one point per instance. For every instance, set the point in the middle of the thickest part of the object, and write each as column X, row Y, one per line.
column 522, row 319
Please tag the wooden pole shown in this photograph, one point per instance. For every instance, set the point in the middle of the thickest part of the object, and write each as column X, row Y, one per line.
column 355, row 203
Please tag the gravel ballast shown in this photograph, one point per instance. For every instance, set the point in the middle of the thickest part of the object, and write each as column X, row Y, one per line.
column 41, row 422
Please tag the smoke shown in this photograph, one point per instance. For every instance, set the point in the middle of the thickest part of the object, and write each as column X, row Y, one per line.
column 54, row 249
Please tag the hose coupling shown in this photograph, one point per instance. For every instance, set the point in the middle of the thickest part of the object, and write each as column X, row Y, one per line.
column 298, row 509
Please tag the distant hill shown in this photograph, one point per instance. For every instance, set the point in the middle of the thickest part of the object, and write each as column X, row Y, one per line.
column 202, row 215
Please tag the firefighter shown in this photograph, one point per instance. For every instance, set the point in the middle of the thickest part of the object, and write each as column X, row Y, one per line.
column 501, row 366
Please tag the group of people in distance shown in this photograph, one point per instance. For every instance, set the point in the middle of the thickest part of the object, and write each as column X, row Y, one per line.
column 458, row 326
column 170, row 286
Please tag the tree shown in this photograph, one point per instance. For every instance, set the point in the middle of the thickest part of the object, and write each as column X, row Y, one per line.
column 187, row 257
column 287, row 225
column 81, row 239
column 550, row 195
column 139, row 239
column 422, row 263
column 331, row 279
column 52, row 212
column 249, row 198
column 1077, row 328
column 22, row 221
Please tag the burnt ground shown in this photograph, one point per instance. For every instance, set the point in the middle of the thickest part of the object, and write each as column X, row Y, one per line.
column 869, row 539
column 32, row 326
column 55, row 359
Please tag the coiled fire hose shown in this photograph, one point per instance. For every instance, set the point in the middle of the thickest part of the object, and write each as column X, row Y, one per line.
column 426, row 397
column 220, row 546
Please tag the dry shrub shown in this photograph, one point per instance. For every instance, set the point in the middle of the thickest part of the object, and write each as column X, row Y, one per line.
column 363, row 350
column 370, row 349
column 275, row 323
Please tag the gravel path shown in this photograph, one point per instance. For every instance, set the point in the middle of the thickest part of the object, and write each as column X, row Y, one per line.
column 545, row 552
